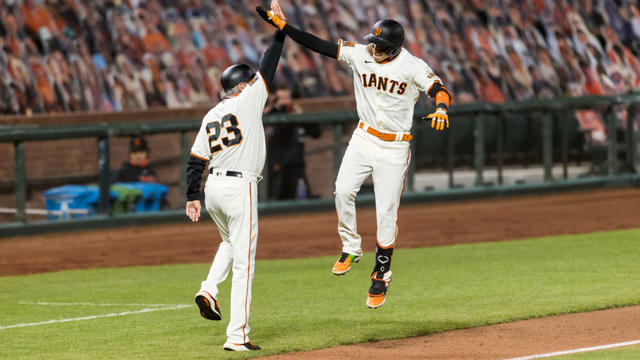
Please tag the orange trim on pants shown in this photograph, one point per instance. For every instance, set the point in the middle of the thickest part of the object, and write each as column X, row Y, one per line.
column 387, row 247
column 246, row 296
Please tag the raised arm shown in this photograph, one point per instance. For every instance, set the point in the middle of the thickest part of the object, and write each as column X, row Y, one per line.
column 270, row 59
column 303, row 38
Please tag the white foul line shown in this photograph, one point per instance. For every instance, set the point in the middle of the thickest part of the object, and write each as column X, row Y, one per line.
column 575, row 351
column 90, row 304
column 93, row 317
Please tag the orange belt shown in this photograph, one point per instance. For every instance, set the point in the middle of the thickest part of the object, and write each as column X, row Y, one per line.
column 384, row 136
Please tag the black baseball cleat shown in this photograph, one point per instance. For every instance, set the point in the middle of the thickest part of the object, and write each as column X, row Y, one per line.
column 248, row 346
column 205, row 302
column 377, row 293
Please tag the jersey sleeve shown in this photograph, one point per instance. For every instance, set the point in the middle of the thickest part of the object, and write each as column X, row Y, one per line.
column 347, row 51
column 200, row 148
column 424, row 77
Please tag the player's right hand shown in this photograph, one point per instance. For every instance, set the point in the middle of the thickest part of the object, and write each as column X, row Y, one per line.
column 193, row 210
column 277, row 10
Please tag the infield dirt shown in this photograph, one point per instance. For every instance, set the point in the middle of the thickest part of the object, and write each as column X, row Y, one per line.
column 314, row 234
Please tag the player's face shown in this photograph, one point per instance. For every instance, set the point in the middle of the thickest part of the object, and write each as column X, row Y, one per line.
column 139, row 158
column 379, row 55
column 283, row 97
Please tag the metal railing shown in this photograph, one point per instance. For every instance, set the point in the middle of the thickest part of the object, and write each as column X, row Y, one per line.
column 546, row 110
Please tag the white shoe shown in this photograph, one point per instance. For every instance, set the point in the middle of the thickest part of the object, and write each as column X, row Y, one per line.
column 248, row 346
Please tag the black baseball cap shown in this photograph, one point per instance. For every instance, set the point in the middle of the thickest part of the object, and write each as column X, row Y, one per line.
column 137, row 144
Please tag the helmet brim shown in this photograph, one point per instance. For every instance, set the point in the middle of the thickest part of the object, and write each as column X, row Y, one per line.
column 378, row 41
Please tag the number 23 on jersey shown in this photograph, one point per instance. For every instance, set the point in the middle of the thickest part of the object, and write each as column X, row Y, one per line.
column 229, row 123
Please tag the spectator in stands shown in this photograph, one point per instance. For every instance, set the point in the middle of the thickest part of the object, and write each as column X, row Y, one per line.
column 540, row 86
column 43, row 84
column 134, row 91
column 137, row 168
column 487, row 89
column 155, row 41
column 462, row 84
column 39, row 23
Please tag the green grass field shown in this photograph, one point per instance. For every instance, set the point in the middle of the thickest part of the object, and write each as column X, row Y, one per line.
column 299, row 305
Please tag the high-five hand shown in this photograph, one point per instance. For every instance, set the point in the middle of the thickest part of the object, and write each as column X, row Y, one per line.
column 273, row 16
column 277, row 10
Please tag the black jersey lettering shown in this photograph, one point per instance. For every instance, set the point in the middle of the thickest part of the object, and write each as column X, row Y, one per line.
column 393, row 86
column 402, row 89
column 382, row 83
column 372, row 80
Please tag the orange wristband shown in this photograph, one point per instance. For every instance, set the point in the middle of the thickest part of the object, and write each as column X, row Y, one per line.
column 276, row 20
column 442, row 97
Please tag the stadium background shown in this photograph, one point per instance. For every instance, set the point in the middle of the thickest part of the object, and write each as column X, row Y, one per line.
column 133, row 57
column 72, row 62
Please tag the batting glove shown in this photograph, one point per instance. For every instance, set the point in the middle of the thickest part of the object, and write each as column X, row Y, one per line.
column 270, row 17
column 439, row 118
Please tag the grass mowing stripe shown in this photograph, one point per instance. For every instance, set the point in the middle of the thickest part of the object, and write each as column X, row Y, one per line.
column 91, row 317
column 299, row 305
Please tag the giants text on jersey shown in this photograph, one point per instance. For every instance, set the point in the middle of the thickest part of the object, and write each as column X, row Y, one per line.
column 386, row 92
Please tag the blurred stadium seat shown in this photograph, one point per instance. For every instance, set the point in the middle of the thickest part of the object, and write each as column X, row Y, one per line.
column 60, row 55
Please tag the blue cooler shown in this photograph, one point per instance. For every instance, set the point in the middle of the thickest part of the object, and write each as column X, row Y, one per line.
column 152, row 195
column 73, row 197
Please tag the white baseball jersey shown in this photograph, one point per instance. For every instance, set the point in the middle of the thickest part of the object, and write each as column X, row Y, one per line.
column 232, row 135
column 386, row 92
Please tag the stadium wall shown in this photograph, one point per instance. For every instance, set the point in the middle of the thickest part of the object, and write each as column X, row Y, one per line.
column 58, row 162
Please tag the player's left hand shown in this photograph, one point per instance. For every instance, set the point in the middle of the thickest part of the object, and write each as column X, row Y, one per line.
column 272, row 16
column 439, row 119
column 193, row 210
column 265, row 15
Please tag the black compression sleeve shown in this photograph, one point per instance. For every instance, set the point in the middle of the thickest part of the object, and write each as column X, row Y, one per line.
column 312, row 42
column 270, row 59
column 195, row 168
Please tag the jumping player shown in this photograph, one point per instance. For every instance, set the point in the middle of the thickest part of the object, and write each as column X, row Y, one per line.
column 232, row 141
column 387, row 81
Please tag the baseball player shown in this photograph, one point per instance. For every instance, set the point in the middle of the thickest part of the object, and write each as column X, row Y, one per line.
column 232, row 141
column 387, row 81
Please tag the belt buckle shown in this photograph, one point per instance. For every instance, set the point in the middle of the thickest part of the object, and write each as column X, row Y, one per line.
column 234, row 173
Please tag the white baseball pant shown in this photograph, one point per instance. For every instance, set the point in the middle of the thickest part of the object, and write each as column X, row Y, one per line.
column 233, row 204
column 387, row 162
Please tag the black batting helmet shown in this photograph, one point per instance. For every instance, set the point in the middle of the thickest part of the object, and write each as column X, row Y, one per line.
column 234, row 75
column 388, row 35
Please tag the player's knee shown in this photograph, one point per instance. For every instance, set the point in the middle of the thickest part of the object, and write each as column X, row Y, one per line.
column 387, row 214
column 344, row 193
column 342, row 190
